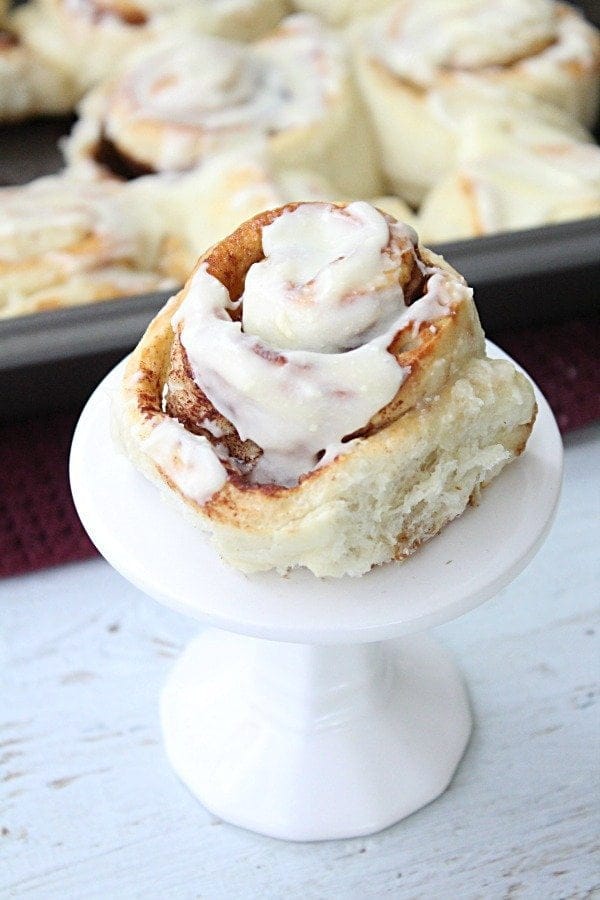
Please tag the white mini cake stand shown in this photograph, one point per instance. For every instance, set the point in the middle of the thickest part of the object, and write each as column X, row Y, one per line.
column 305, row 713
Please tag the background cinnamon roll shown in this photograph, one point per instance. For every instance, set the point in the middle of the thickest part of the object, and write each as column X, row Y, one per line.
column 89, row 37
column 417, row 58
column 190, row 212
column 398, row 209
column 30, row 85
column 189, row 99
column 514, row 188
column 445, row 121
column 64, row 243
column 318, row 394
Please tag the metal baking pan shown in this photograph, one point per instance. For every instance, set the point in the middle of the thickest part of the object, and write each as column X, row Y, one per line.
column 53, row 360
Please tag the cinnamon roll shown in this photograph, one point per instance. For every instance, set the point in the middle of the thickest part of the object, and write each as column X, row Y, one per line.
column 318, row 393
column 514, row 188
column 30, row 85
column 63, row 242
column 427, row 70
column 88, row 37
column 189, row 99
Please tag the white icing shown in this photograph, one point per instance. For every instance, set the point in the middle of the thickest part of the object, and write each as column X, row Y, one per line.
column 324, row 284
column 291, row 405
column 332, row 451
column 229, row 87
column 296, row 403
column 468, row 35
column 187, row 459
column 575, row 42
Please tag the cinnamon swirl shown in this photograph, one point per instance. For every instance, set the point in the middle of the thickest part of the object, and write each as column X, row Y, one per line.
column 189, row 99
column 431, row 80
column 318, row 394
column 64, row 243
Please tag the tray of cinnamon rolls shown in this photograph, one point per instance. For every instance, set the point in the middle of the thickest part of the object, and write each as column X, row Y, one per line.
column 136, row 134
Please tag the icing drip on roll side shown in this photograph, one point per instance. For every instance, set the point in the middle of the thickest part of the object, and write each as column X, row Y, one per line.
column 187, row 459
column 294, row 402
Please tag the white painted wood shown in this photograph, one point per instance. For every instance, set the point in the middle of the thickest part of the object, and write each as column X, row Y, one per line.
column 89, row 806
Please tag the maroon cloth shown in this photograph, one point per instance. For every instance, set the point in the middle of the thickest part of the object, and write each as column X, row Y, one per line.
column 38, row 523
column 564, row 361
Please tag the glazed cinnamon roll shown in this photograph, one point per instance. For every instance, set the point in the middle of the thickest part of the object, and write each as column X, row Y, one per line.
column 30, row 85
column 318, row 394
column 192, row 98
column 89, row 37
column 426, row 70
column 512, row 188
column 64, row 243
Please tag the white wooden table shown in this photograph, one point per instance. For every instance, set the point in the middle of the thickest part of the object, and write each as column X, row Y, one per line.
column 90, row 808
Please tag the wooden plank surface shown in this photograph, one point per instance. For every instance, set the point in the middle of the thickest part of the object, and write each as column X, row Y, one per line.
column 89, row 806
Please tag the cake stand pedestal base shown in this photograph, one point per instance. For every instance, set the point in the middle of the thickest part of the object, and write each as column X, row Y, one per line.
column 309, row 742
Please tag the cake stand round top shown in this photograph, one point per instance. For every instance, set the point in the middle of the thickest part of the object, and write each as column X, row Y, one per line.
column 160, row 551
